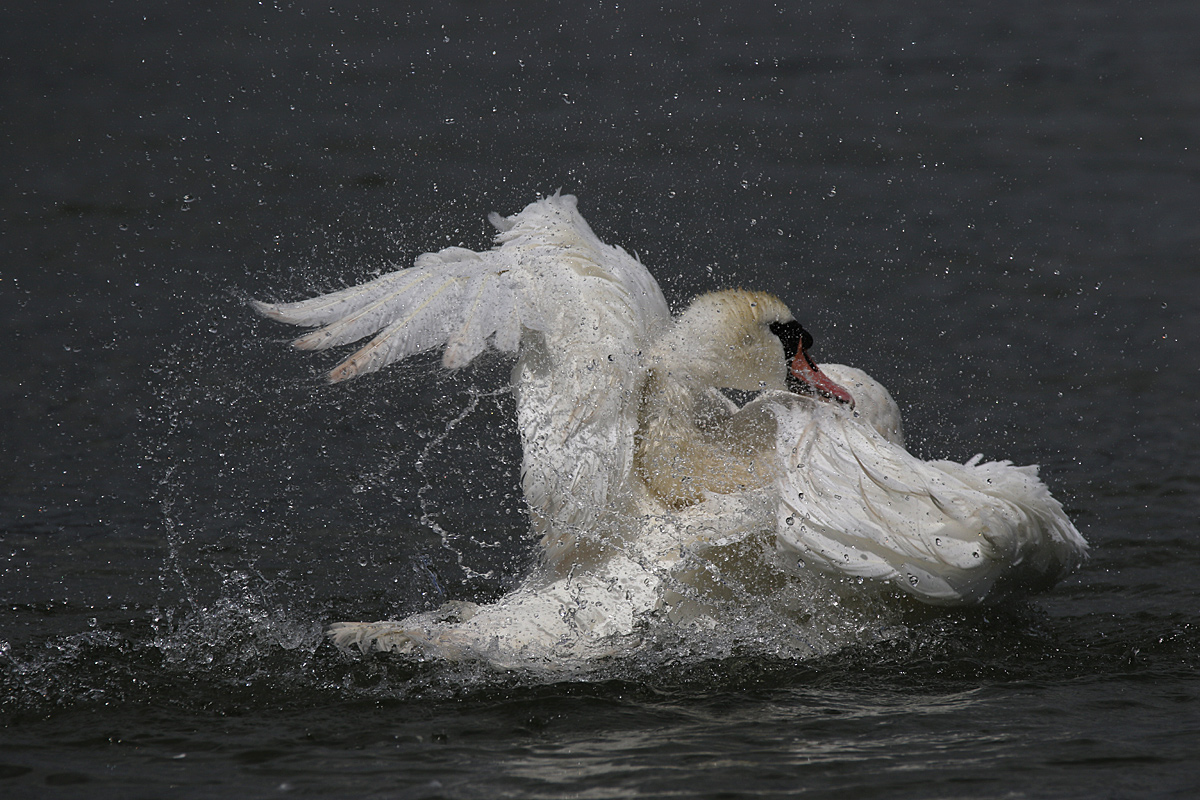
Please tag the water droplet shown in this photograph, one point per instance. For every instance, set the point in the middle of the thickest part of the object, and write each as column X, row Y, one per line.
column 938, row 541
column 790, row 521
column 914, row 580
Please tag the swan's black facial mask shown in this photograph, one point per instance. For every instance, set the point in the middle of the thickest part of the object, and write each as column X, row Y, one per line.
column 793, row 335
column 804, row 376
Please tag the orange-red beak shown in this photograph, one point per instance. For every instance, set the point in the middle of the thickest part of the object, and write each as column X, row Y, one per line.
column 805, row 377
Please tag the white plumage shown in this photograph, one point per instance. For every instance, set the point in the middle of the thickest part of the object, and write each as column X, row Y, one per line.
column 633, row 462
column 853, row 502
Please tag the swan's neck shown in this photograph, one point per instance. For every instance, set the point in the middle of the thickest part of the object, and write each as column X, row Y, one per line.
column 689, row 445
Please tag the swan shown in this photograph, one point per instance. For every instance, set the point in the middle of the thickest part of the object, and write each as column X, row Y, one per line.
column 635, row 464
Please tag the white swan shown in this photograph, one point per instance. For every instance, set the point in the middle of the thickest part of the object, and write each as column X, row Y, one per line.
column 634, row 462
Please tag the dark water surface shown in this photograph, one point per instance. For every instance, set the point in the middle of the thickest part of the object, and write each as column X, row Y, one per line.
column 993, row 208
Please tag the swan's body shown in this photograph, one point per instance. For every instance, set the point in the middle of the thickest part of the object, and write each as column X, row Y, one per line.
column 635, row 465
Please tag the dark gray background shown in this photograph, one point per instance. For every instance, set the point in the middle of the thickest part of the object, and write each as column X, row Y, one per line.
column 990, row 207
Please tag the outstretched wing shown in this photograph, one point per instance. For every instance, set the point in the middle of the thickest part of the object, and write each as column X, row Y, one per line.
column 455, row 298
column 578, row 312
column 855, row 504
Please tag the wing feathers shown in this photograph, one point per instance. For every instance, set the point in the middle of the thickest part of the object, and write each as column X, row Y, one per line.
column 327, row 308
column 424, row 327
column 577, row 312
column 454, row 297
column 853, row 503
column 381, row 311
column 487, row 303
column 463, row 300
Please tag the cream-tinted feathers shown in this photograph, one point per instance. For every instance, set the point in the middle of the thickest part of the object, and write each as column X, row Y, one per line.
column 691, row 442
column 631, row 455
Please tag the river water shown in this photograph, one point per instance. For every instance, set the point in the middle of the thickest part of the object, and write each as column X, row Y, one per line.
column 992, row 208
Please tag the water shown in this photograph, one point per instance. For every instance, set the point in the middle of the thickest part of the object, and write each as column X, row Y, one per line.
column 991, row 209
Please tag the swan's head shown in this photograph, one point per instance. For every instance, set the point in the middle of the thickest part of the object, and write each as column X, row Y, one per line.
column 804, row 376
column 739, row 339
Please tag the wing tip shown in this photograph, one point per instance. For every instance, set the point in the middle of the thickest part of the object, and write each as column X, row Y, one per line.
column 268, row 310
column 345, row 371
column 314, row 340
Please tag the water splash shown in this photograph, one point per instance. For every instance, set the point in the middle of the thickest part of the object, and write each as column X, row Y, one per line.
column 428, row 517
